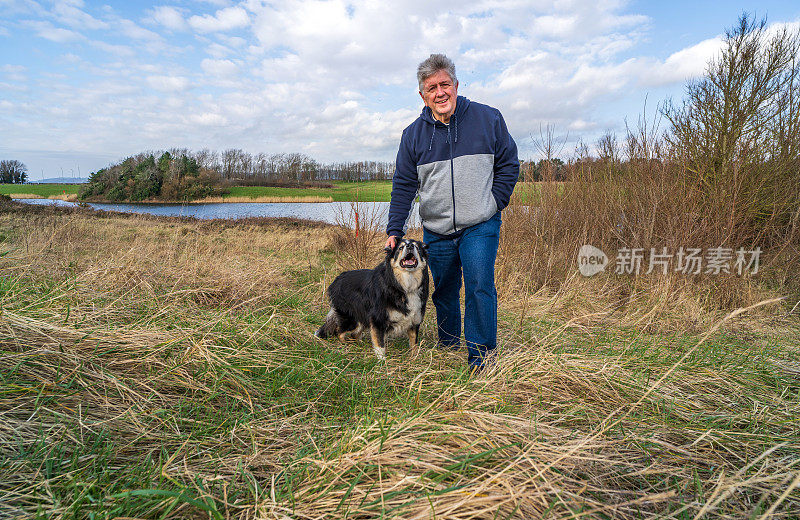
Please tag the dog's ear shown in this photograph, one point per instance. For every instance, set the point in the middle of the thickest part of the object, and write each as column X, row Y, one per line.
column 424, row 246
column 390, row 250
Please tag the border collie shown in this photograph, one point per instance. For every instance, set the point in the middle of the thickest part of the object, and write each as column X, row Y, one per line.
column 389, row 300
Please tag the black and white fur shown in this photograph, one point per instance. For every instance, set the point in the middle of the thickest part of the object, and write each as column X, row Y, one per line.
column 389, row 300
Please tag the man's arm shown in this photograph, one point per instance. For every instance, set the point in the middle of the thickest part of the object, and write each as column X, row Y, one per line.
column 404, row 188
column 506, row 164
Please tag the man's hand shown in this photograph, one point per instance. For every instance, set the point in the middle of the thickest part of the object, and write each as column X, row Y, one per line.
column 390, row 243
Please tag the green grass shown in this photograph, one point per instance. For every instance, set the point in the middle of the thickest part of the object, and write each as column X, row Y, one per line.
column 370, row 191
column 164, row 369
column 45, row 190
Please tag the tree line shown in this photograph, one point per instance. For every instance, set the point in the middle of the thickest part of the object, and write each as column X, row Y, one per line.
column 240, row 167
column 180, row 174
column 13, row 172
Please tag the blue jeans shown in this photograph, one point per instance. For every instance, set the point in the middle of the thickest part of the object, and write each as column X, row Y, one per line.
column 474, row 253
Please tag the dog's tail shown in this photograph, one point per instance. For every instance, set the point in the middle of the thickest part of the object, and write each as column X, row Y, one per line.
column 330, row 327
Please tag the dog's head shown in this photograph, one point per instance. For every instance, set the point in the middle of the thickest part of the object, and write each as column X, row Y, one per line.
column 409, row 255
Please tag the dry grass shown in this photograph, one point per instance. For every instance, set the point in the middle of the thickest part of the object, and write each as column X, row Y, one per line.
column 25, row 196
column 636, row 204
column 358, row 237
column 69, row 197
column 164, row 368
column 537, row 262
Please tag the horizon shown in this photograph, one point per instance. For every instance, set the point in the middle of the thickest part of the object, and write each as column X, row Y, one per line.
column 84, row 85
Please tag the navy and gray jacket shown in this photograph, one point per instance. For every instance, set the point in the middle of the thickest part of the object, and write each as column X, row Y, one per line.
column 464, row 171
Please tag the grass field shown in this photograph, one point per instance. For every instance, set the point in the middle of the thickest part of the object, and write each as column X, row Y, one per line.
column 372, row 191
column 43, row 190
column 156, row 368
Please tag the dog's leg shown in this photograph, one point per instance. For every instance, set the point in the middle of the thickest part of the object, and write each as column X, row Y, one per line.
column 330, row 327
column 413, row 332
column 377, row 342
column 357, row 333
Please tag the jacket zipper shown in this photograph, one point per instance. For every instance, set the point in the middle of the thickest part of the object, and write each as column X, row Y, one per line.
column 452, row 178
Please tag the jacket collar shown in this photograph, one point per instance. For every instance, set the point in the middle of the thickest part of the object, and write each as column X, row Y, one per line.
column 461, row 106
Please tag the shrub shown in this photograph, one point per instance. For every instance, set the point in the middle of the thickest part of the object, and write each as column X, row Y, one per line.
column 171, row 177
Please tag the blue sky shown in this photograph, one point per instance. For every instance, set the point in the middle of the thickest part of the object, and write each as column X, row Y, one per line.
column 83, row 84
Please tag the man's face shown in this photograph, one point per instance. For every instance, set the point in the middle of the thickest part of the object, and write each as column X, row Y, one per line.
column 439, row 94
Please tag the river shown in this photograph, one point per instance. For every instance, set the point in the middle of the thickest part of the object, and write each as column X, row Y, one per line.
column 331, row 212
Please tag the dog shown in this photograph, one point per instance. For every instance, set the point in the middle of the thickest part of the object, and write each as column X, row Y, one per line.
column 389, row 300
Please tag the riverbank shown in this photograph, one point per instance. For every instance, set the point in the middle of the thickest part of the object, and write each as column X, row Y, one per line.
column 370, row 191
column 156, row 367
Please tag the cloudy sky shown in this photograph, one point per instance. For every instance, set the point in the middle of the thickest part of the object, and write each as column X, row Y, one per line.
column 83, row 84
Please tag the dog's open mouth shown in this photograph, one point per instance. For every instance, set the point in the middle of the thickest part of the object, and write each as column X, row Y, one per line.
column 409, row 261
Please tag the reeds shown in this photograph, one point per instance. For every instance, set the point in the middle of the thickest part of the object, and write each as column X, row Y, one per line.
column 358, row 236
column 25, row 196
column 69, row 197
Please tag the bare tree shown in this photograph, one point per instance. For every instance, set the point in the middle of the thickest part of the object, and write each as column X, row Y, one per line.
column 13, row 172
column 608, row 147
column 550, row 147
column 738, row 130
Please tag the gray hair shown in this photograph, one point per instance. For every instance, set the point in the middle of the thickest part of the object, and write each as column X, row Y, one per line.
column 434, row 64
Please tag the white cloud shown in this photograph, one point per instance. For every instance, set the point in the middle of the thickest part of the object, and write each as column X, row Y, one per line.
column 682, row 65
column 234, row 41
column 215, row 50
column 50, row 32
column 333, row 78
column 13, row 72
column 118, row 50
column 223, row 20
column 169, row 17
column 69, row 13
column 221, row 68
column 137, row 32
column 168, row 83
column 209, row 119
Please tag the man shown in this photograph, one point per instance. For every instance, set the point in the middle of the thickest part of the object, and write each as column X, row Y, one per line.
column 459, row 156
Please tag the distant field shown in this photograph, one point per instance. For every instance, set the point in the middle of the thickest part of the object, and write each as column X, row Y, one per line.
column 372, row 191
column 44, row 190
